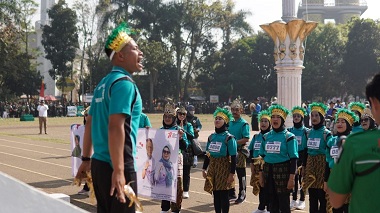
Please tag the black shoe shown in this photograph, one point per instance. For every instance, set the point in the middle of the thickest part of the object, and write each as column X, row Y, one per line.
column 239, row 200
column 232, row 197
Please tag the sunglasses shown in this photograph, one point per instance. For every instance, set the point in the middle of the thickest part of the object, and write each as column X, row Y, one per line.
column 166, row 151
column 181, row 113
column 364, row 120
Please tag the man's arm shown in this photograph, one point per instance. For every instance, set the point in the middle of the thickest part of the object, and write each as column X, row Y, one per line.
column 336, row 200
column 242, row 141
column 116, row 137
column 87, row 140
column 86, row 151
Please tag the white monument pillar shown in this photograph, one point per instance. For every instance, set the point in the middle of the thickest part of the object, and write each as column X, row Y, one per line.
column 288, row 55
column 288, row 10
column 44, row 65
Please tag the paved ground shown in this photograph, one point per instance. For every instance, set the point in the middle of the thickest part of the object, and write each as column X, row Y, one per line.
column 44, row 161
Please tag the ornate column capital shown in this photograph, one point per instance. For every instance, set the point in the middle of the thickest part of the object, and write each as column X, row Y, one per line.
column 288, row 39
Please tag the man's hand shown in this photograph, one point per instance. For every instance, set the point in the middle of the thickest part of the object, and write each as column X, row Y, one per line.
column 82, row 170
column 290, row 183
column 325, row 187
column 118, row 183
column 231, row 178
column 204, row 174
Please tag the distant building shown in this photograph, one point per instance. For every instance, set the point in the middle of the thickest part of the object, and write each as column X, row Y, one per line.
column 339, row 10
column 44, row 64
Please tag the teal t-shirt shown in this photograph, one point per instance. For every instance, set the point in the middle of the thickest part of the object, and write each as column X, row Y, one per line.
column 361, row 151
column 124, row 98
column 317, row 141
column 332, row 151
column 279, row 147
column 189, row 129
column 144, row 121
column 301, row 136
column 356, row 129
column 255, row 144
column 239, row 129
column 217, row 145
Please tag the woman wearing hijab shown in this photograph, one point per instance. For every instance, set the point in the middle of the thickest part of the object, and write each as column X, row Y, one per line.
column 344, row 120
column 164, row 173
column 170, row 122
column 220, row 161
column 280, row 153
column 367, row 120
column 257, row 162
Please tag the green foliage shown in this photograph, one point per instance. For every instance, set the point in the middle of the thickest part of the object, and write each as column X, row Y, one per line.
column 60, row 40
column 362, row 58
column 323, row 76
column 17, row 72
column 245, row 68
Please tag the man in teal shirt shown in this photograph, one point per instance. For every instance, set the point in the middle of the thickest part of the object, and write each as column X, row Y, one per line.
column 112, row 125
column 144, row 121
column 239, row 128
column 357, row 171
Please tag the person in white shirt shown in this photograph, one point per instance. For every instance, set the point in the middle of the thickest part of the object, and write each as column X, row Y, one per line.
column 42, row 115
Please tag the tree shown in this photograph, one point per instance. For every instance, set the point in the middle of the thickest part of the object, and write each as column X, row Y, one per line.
column 230, row 22
column 27, row 10
column 322, row 76
column 18, row 73
column 245, row 69
column 60, row 40
column 362, row 56
column 86, row 13
column 156, row 58
column 113, row 11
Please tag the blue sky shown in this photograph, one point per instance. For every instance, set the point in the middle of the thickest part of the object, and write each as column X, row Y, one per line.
column 267, row 11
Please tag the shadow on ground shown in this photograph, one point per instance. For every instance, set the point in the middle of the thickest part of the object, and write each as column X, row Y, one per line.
column 51, row 184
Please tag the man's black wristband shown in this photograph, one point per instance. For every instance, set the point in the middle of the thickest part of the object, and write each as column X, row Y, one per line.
column 86, row 158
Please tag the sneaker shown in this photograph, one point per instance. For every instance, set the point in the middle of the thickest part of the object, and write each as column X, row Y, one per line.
column 239, row 200
column 301, row 205
column 83, row 192
column 164, row 211
column 260, row 211
column 232, row 197
column 293, row 204
column 195, row 161
column 185, row 195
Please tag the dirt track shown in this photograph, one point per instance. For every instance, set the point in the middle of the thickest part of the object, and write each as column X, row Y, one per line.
column 44, row 162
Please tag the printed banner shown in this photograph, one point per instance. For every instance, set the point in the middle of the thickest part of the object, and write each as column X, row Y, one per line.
column 71, row 111
column 76, row 137
column 156, row 159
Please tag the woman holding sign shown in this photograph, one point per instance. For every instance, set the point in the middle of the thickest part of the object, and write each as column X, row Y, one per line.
column 169, row 122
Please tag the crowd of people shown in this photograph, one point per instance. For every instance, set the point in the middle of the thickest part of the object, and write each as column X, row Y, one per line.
column 17, row 109
column 307, row 155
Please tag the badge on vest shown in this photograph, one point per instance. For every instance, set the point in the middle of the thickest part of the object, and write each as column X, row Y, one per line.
column 273, row 147
column 257, row 145
column 313, row 143
column 215, row 146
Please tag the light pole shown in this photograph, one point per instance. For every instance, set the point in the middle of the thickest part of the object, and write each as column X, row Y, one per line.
column 81, row 68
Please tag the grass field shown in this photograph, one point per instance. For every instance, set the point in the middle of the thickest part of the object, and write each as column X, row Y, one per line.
column 207, row 121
